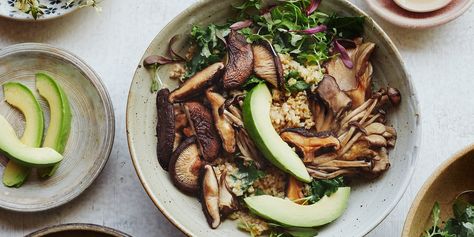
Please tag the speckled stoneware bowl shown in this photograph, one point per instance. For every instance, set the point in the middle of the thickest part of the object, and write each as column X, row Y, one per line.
column 451, row 178
column 370, row 202
column 92, row 131
column 78, row 230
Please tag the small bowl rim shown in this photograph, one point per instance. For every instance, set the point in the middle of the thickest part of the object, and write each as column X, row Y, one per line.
column 78, row 226
column 409, row 7
column 421, row 25
column 413, row 97
column 429, row 182
column 94, row 78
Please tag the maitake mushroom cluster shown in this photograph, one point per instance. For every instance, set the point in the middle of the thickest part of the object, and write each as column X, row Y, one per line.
column 350, row 134
column 201, row 120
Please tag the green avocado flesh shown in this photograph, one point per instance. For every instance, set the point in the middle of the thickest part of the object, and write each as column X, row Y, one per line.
column 288, row 213
column 24, row 154
column 21, row 97
column 60, row 122
column 256, row 115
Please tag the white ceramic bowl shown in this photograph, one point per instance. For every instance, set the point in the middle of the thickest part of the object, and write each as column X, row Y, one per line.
column 370, row 202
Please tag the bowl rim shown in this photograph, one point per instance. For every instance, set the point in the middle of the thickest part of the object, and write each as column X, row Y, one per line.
column 421, row 24
column 77, row 226
column 99, row 86
column 413, row 96
column 40, row 19
column 429, row 182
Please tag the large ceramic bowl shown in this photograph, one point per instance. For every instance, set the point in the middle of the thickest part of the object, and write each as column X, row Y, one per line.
column 370, row 202
column 92, row 129
column 452, row 178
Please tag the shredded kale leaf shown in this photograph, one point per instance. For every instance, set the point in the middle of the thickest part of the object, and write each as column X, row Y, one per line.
column 461, row 225
column 210, row 45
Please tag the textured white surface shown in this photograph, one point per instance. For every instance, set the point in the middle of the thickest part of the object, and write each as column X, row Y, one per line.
column 439, row 60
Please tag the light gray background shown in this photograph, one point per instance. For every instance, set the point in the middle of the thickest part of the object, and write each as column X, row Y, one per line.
column 440, row 60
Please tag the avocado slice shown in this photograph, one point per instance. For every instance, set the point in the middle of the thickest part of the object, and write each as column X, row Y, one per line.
column 21, row 97
column 24, row 154
column 60, row 122
column 292, row 214
column 256, row 116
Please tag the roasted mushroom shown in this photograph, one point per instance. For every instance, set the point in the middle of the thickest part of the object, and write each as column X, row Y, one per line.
column 394, row 96
column 309, row 143
column 197, row 83
column 203, row 128
column 267, row 64
column 335, row 98
column 354, row 81
column 240, row 62
column 210, row 196
column 227, row 199
column 165, row 128
column 294, row 190
column 223, row 126
column 185, row 165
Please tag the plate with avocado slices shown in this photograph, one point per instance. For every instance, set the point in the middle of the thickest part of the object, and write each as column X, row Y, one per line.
column 59, row 127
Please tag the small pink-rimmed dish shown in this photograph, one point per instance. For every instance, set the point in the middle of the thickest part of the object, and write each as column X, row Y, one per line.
column 422, row 6
column 391, row 12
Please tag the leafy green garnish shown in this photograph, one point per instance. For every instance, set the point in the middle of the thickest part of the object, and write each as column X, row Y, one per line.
column 324, row 187
column 247, row 174
column 461, row 225
column 347, row 27
column 297, row 84
column 252, row 82
column 283, row 23
column 283, row 231
column 210, row 47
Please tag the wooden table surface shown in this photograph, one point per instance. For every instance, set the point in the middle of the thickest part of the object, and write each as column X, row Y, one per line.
column 440, row 61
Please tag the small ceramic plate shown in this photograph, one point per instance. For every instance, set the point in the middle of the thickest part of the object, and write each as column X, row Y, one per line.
column 92, row 130
column 391, row 12
column 452, row 178
column 78, row 230
column 53, row 9
column 369, row 203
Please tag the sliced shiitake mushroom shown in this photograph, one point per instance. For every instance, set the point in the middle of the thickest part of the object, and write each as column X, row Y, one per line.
column 210, row 196
column 197, row 83
column 165, row 128
column 203, row 127
column 240, row 61
column 223, row 126
column 227, row 199
column 267, row 64
column 335, row 98
column 294, row 190
column 185, row 165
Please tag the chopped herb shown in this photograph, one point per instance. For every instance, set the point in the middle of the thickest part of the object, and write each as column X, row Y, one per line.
column 210, row 47
column 283, row 231
column 247, row 174
column 347, row 27
column 323, row 187
column 295, row 83
column 461, row 225
column 251, row 83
